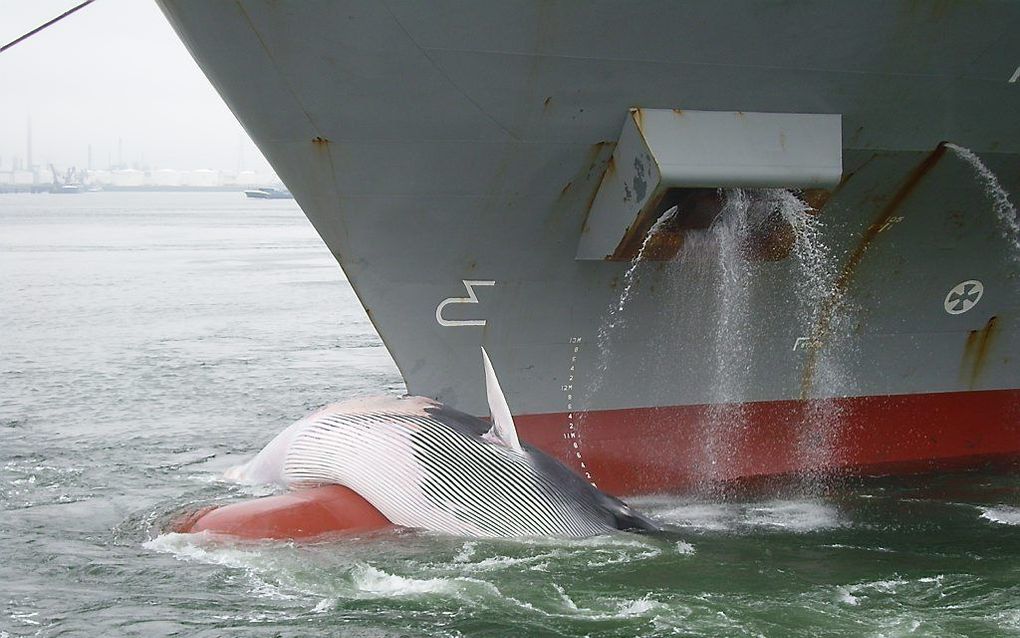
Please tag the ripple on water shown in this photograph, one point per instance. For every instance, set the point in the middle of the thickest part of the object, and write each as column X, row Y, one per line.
column 958, row 604
column 32, row 481
column 482, row 574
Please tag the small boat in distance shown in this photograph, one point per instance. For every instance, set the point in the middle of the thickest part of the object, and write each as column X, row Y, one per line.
column 67, row 188
column 70, row 182
column 269, row 192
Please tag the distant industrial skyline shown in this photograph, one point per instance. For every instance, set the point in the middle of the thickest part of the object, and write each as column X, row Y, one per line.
column 111, row 83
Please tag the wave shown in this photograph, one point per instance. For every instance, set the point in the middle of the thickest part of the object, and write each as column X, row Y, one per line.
column 1002, row 514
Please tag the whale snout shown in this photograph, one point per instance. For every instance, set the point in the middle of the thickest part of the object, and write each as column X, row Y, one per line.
column 302, row 514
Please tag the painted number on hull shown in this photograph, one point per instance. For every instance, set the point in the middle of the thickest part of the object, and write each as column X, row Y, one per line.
column 964, row 296
column 469, row 285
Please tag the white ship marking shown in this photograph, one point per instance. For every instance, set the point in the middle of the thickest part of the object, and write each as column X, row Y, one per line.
column 471, row 298
column 964, row 296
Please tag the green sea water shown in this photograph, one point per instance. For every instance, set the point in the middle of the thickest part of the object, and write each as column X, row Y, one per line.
column 149, row 341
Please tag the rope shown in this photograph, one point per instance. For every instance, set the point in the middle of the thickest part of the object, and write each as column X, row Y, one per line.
column 43, row 26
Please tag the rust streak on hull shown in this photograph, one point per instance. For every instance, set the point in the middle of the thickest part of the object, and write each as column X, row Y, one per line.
column 823, row 327
column 975, row 351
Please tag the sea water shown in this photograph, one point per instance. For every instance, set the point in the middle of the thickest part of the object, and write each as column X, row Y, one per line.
column 149, row 341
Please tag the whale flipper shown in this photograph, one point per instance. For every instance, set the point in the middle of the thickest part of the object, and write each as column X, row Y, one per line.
column 503, row 429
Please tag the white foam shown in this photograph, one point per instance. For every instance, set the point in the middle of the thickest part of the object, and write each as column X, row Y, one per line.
column 789, row 515
column 1009, row 619
column 504, row 562
column 607, row 549
column 324, row 605
column 189, row 547
column 796, row 516
column 623, row 557
column 684, row 548
column 272, row 576
column 638, row 607
column 898, row 588
column 26, row 618
column 371, row 580
column 598, row 551
column 860, row 547
column 256, row 617
column 205, row 548
column 707, row 516
column 568, row 602
column 466, row 552
column 887, row 586
column 844, row 596
column 1002, row 514
column 625, row 608
column 470, row 558
column 613, row 608
column 618, row 540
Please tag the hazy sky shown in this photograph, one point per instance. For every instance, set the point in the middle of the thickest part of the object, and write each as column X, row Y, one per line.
column 114, row 70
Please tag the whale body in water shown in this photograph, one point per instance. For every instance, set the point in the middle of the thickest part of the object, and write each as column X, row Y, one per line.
column 424, row 465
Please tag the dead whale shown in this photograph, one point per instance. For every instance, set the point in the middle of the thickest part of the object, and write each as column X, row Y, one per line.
column 423, row 465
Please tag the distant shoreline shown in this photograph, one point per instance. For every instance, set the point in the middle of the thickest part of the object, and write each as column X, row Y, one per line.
column 45, row 189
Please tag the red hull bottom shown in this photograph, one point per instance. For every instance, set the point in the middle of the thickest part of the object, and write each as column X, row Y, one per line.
column 678, row 448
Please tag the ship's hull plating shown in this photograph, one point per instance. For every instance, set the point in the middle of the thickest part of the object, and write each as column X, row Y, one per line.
column 443, row 143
